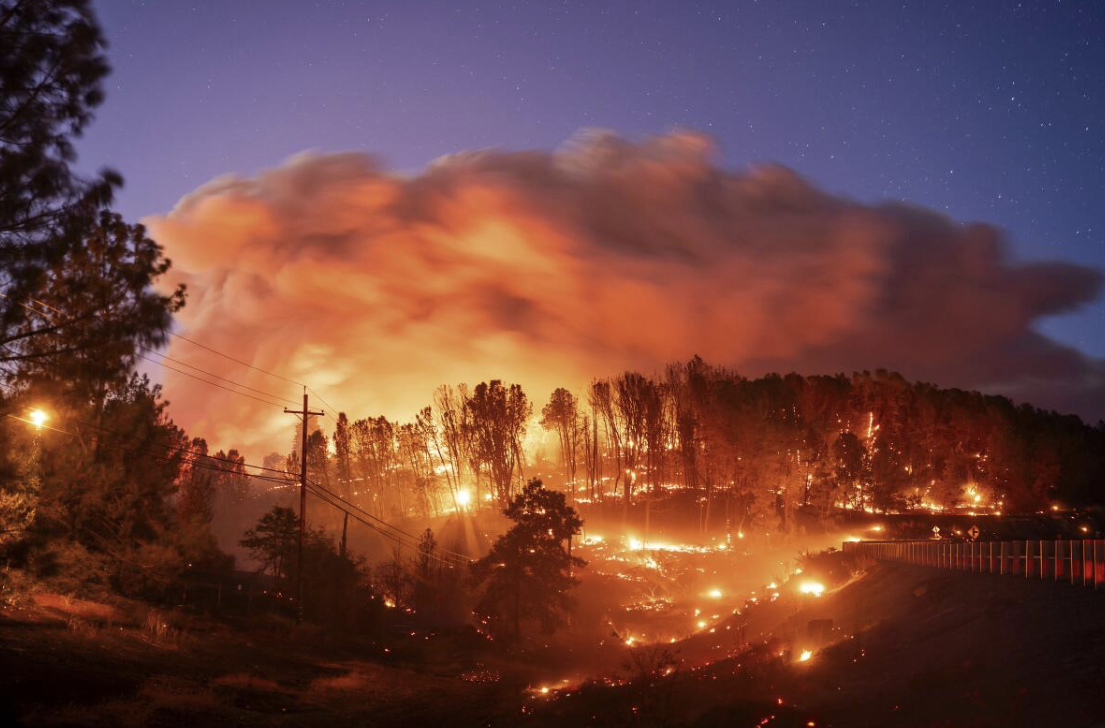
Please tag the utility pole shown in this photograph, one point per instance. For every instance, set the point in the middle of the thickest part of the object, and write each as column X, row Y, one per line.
column 302, row 503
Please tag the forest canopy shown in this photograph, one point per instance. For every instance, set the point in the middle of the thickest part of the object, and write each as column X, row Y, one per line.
column 762, row 449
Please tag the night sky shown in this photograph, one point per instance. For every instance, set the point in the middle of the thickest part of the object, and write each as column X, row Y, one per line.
column 989, row 111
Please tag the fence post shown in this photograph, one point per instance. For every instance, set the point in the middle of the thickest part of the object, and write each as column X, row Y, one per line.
column 1070, row 547
column 1098, row 563
column 1061, row 558
column 1081, row 546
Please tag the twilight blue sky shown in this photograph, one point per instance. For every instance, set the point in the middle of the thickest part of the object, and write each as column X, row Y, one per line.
column 990, row 111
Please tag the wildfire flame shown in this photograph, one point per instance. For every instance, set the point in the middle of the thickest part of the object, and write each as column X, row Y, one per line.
column 812, row 587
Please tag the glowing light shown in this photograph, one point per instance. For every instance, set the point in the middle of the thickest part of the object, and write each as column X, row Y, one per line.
column 875, row 528
column 464, row 498
column 812, row 587
column 851, row 539
column 714, row 593
column 635, row 544
column 805, row 656
column 629, row 642
column 38, row 418
column 702, row 624
column 740, row 534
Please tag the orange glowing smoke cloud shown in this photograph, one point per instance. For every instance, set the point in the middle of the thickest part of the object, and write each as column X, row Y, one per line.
column 550, row 268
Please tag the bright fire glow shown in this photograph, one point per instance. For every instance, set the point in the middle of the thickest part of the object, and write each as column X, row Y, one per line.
column 715, row 593
column 464, row 498
column 812, row 587
column 806, row 655
column 38, row 418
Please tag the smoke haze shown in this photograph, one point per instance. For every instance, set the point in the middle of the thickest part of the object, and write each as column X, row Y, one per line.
column 549, row 268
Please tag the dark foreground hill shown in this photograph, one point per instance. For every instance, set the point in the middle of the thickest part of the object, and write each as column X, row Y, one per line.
column 890, row 645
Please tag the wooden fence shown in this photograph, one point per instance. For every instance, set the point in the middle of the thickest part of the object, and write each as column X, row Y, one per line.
column 1081, row 562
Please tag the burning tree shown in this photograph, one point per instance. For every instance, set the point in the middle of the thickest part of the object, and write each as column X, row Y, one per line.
column 496, row 424
column 528, row 571
column 561, row 415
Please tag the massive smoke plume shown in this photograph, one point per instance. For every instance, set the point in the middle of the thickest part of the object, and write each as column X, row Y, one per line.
column 550, row 268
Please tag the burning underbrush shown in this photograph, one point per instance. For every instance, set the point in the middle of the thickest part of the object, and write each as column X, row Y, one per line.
column 660, row 604
column 847, row 642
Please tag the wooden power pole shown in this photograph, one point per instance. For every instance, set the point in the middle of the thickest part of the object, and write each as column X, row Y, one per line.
column 302, row 503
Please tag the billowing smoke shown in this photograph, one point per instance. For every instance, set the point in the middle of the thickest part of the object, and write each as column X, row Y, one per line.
column 550, row 268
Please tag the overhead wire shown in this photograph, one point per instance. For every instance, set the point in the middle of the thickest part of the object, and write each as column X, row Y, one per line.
column 213, row 384
column 320, row 491
column 306, row 386
column 282, row 399
column 377, row 518
column 322, row 495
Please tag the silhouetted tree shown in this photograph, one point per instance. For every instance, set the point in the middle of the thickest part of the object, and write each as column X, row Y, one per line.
column 51, row 69
column 529, row 569
column 273, row 541
column 496, row 424
column 561, row 415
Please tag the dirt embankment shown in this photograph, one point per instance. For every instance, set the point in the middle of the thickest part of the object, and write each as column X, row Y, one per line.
column 68, row 662
column 893, row 646
column 930, row 647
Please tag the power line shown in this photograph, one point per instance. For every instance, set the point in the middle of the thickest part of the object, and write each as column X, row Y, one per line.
column 213, row 384
column 210, row 374
column 236, row 361
column 317, row 490
column 324, row 402
column 163, row 364
column 185, row 460
column 376, row 518
column 213, row 351
column 193, row 457
column 321, row 495
column 188, row 450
